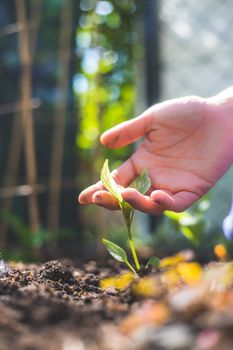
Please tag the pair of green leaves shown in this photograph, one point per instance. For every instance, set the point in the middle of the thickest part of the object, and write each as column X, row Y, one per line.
column 119, row 254
column 142, row 183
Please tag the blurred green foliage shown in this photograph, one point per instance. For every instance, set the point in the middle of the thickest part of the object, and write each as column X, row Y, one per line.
column 190, row 229
column 191, row 223
column 28, row 243
column 107, row 44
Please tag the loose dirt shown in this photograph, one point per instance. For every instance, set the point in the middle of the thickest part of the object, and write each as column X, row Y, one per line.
column 60, row 306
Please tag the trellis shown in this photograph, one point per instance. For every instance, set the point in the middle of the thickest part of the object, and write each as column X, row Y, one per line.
column 22, row 133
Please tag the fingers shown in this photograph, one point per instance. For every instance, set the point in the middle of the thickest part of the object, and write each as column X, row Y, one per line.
column 105, row 199
column 85, row 196
column 95, row 194
column 159, row 201
column 177, row 202
column 127, row 132
column 140, row 202
column 155, row 204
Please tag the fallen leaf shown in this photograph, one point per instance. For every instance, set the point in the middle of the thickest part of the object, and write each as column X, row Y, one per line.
column 190, row 272
column 171, row 278
column 170, row 261
column 147, row 287
column 120, row 282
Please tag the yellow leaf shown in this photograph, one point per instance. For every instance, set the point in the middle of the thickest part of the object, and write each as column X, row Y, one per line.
column 147, row 287
column 171, row 278
column 119, row 282
column 190, row 272
column 171, row 261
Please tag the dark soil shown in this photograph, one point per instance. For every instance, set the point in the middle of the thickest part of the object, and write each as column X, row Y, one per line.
column 58, row 306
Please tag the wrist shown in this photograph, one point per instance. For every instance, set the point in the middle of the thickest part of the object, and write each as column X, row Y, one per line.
column 220, row 111
column 222, row 102
column 220, row 107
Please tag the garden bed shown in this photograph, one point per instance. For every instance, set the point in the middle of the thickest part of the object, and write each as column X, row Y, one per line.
column 59, row 306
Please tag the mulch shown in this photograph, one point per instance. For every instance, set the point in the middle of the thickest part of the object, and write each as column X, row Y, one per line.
column 61, row 306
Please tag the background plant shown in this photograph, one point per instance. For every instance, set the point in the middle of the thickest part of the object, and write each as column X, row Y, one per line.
column 27, row 243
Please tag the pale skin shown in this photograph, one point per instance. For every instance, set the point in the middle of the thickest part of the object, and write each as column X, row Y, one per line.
column 186, row 145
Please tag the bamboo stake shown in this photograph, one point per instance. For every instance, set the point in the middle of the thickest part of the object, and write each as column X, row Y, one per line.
column 57, row 149
column 26, row 115
column 17, row 132
column 11, row 171
column 35, row 16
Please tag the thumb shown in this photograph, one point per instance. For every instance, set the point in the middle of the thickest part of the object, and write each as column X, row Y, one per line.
column 127, row 132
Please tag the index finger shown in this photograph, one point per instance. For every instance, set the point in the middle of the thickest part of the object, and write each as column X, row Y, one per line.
column 85, row 197
column 141, row 202
column 123, row 176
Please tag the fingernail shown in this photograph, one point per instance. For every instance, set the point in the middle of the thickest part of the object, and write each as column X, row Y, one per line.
column 81, row 199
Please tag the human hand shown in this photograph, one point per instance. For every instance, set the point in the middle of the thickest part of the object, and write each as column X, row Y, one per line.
column 186, row 147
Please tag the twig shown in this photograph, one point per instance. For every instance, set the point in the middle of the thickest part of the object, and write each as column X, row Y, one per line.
column 15, row 107
column 22, row 191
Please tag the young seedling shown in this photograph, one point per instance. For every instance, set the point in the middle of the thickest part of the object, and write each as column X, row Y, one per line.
column 142, row 183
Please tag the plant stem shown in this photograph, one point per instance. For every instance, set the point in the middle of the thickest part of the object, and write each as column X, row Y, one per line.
column 134, row 253
column 133, row 248
column 131, row 268
column 128, row 218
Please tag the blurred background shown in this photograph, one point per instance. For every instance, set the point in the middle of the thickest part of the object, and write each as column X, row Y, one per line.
column 70, row 70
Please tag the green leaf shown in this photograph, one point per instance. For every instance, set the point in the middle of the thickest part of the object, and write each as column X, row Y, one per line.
column 109, row 183
column 188, row 233
column 142, row 183
column 154, row 261
column 116, row 252
column 176, row 216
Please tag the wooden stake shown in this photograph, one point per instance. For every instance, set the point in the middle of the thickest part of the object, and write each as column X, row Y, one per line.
column 17, row 131
column 57, row 149
column 26, row 115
